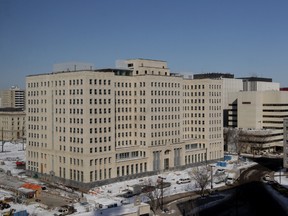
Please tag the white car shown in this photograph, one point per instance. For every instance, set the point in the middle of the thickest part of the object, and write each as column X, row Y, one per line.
column 183, row 180
column 267, row 177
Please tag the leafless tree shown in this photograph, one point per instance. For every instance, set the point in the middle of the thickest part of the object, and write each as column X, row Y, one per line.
column 202, row 177
column 154, row 193
column 234, row 140
column 244, row 140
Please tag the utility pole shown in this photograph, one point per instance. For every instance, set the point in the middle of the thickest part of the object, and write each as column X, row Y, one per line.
column 280, row 174
column 3, row 142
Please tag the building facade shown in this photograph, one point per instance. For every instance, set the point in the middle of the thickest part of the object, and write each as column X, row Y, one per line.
column 285, row 143
column 259, row 84
column 13, row 97
column 12, row 121
column 261, row 111
column 93, row 125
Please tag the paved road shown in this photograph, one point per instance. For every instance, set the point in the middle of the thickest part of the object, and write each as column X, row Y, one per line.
column 242, row 199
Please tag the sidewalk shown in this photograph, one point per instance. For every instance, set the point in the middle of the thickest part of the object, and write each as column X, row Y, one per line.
column 171, row 202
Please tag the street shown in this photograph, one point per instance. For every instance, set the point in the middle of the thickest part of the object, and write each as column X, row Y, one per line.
column 248, row 197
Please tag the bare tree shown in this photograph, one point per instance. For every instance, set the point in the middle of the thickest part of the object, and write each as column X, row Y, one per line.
column 202, row 177
column 154, row 192
column 234, row 140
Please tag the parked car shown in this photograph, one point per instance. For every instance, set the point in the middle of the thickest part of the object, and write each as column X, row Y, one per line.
column 220, row 171
column 266, row 178
column 183, row 180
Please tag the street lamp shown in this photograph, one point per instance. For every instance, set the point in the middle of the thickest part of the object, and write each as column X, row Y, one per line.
column 280, row 174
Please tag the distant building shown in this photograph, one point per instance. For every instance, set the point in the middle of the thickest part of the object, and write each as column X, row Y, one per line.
column 259, row 84
column 91, row 126
column 285, row 143
column 263, row 111
column 213, row 76
column 12, row 124
column 14, row 97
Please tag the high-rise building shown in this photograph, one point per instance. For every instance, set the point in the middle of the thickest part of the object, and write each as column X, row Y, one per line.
column 229, row 85
column 13, row 97
column 93, row 125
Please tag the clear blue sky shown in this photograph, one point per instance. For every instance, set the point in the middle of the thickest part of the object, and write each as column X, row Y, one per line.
column 243, row 37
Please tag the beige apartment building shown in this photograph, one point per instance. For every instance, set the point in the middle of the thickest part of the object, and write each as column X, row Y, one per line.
column 13, row 97
column 92, row 125
column 260, row 114
column 12, row 124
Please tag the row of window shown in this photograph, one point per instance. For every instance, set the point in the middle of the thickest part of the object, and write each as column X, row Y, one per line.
column 194, row 158
column 100, row 161
column 165, row 84
column 99, row 82
column 36, row 144
column 165, row 141
column 100, row 140
column 100, row 174
column 165, row 93
column 165, row 133
column 165, row 109
column 100, row 91
column 131, row 169
column 164, row 125
column 193, row 94
column 165, row 101
column 165, row 117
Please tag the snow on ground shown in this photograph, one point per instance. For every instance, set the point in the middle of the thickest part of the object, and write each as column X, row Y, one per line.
column 15, row 152
column 12, row 153
column 281, row 178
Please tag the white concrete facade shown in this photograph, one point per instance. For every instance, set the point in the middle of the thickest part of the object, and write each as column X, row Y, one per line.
column 260, row 86
column 285, row 144
column 13, row 97
column 94, row 125
column 12, row 123
column 260, row 110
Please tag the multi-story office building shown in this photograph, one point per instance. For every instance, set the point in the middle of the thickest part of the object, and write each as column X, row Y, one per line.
column 12, row 121
column 285, row 143
column 13, row 97
column 261, row 111
column 92, row 125
column 229, row 85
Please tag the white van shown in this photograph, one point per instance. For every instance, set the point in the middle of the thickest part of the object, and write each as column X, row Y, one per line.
column 183, row 180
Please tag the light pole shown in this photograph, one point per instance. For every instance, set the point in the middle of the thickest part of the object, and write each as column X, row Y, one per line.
column 280, row 174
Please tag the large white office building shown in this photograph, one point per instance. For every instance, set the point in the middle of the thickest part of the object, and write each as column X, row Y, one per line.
column 92, row 125
column 261, row 114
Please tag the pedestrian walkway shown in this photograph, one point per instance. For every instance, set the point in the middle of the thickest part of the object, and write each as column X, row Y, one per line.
column 171, row 202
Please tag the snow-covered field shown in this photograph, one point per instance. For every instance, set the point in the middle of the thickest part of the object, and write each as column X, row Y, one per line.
column 15, row 152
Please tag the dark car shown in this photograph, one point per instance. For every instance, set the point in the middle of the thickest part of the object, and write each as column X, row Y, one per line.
column 163, row 185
